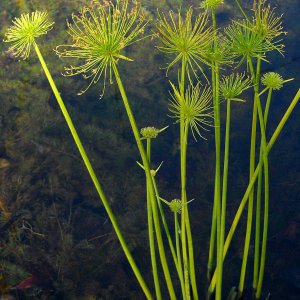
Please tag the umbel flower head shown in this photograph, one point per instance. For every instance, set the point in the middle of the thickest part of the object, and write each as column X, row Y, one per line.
column 233, row 85
column 211, row 4
column 195, row 107
column 272, row 80
column 245, row 42
column 100, row 32
column 266, row 23
column 151, row 132
column 24, row 31
column 185, row 39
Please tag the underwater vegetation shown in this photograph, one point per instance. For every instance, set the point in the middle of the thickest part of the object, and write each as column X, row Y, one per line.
column 213, row 71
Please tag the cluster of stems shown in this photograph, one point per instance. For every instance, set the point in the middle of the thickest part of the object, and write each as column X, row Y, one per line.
column 180, row 241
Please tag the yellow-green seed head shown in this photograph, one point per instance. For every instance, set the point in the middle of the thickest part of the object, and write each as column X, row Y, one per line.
column 100, row 32
column 211, row 4
column 233, row 85
column 272, row 81
column 149, row 132
column 176, row 205
column 24, row 31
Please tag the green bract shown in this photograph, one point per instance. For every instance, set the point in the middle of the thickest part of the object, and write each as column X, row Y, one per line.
column 233, row 85
column 195, row 108
column 185, row 39
column 24, row 31
column 99, row 33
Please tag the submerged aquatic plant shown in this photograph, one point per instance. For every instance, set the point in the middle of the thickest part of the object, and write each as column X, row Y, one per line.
column 25, row 30
column 100, row 33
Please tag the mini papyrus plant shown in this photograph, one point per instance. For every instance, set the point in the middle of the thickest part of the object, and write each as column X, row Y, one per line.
column 197, row 47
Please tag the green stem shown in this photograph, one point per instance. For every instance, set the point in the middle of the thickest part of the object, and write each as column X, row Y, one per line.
column 255, row 79
column 251, row 183
column 151, row 190
column 224, row 199
column 184, row 209
column 186, row 235
column 258, row 205
column 174, row 255
column 178, row 251
column 151, row 231
column 93, row 175
column 212, row 241
column 217, row 196
column 266, row 191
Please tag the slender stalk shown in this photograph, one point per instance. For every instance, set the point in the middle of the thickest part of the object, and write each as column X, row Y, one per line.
column 255, row 80
column 257, row 226
column 178, row 251
column 151, row 190
column 164, row 221
column 217, row 198
column 224, row 199
column 183, row 214
column 173, row 251
column 93, row 175
column 212, row 241
column 186, row 235
column 151, row 231
column 266, row 191
column 251, row 183
column 258, row 206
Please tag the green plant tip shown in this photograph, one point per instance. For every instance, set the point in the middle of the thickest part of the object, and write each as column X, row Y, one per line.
column 100, row 32
column 149, row 132
column 195, row 108
column 233, row 85
column 272, row 80
column 24, row 31
column 176, row 205
column 185, row 38
column 211, row 4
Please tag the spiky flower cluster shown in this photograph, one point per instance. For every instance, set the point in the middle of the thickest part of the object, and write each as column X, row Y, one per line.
column 265, row 22
column 246, row 43
column 176, row 205
column 233, row 85
column 211, row 4
column 149, row 132
column 100, row 32
column 194, row 108
column 24, row 31
column 185, row 38
column 272, row 80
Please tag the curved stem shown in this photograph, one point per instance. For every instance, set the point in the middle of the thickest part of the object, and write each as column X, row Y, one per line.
column 258, row 206
column 151, row 231
column 251, row 183
column 93, row 175
column 255, row 80
column 151, row 190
